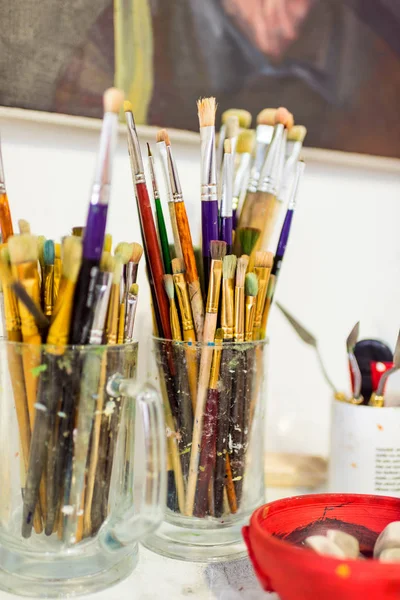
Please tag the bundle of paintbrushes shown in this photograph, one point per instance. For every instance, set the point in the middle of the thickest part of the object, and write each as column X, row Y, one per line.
column 210, row 335
column 70, row 310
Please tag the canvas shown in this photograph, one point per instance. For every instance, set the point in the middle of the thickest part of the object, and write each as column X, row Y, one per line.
column 334, row 63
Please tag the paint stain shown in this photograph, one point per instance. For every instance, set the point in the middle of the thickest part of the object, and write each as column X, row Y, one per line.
column 343, row 571
column 354, row 465
column 380, row 427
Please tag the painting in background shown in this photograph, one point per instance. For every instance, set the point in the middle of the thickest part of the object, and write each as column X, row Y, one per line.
column 334, row 63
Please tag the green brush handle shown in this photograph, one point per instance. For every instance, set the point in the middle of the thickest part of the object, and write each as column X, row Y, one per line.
column 162, row 230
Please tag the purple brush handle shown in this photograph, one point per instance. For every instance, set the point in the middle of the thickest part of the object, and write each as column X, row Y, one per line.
column 93, row 241
column 226, row 232
column 209, row 224
column 283, row 239
column 234, row 220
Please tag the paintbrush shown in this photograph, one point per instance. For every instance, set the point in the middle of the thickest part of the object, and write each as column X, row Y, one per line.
column 24, row 227
column 182, row 293
column 218, row 251
column 355, row 372
column 263, row 263
column 5, row 214
column 124, row 251
column 311, row 340
column 147, row 223
column 231, row 136
column 242, row 265
column 209, row 200
column 244, row 149
column 248, row 238
column 377, row 398
column 244, row 123
column 185, row 237
column 226, row 220
column 93, row 240
column 131, row 312
column 57, row 273
column 162, row 150
column 48, row 292
column 226, row 386
column 45, row 445
column 162, row 230
column 209, row 436
column 173, row 311
column 130, row 274
column 264, row 132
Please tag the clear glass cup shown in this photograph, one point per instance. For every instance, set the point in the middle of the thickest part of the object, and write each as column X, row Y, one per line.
column 73, row 504
column 215, row 445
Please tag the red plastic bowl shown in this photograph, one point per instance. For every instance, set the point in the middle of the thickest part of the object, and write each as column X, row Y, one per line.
column 277, row 532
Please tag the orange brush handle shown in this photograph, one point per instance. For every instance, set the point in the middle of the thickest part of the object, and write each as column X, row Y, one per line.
column 186, row 242
column 5, row 218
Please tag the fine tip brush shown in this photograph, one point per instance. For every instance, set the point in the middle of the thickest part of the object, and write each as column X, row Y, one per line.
column 206, row 108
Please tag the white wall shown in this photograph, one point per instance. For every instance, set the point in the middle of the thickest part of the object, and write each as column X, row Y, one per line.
column 342, row 263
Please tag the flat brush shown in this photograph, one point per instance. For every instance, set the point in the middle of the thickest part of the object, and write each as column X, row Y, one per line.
column 226, row 212
column 5, row 214
column 218, row 251
column 185, row 238
column 147, row 223
column 241, row 269
column 162, row 230
column 162, row 151
column 93, row 240
column 209, row 437
column 262, row 267
column 209, row 200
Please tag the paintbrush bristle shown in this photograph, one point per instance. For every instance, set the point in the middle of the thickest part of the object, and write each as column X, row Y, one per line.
column 248, row 237
column 283, row 116
column 219, row 335
column 229, row 266
column 137, row 252
column 251, row 284
column 243, row 115
column 227, row 146
column 148, row 149
column 72, row 257
column 266, row 116
column 57, row 250
column 48, row 252
column 113, row 99
column 242, row 264
column 124, row 251
column 169, row 286
column 40, row 242
column 162, row 136
column 24, row 226
column 78, row 231
column 128, row 106
column 263, row 259
column 117, row 271
column 217, row 249
column 23, row 248
column 107, row 242
column 107, row 262
column 134, row 289
column 206, row 109
column 178, row 265
column 297, row 133
column 232, row 127
column 246, row 141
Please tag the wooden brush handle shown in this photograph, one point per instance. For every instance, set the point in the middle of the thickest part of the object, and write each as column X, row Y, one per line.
column 207, row 454
column 186, row 242
column 196, row 301
column 175, row 231
column 223, row 419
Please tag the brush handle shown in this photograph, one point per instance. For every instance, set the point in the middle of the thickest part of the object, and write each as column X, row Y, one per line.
column 5, row 218
column 175, row 232
column 223, row 419
column 209, row 229
column 226, row 232
column 84, row 302
column 186, row 242
column 95, row 230
column 283, row 240
column 237, row 425
column 155, row 264
column 207, row 454
column 162, row 230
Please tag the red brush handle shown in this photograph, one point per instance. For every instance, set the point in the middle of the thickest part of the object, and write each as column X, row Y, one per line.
column 156, row 264
column 207, row 453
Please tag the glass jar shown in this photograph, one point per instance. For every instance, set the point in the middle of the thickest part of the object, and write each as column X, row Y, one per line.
column 215, row 445
column 72, row 507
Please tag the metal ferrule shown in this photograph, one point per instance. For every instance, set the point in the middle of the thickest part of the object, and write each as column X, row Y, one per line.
column 239, row 314
column 262, row 276
column 208, row 171
column 48, row 290
column 300, row 167
column 134, row 150
column 103, row 171
column 102, row 294
column 269, row 180
column 289, row 170
column 183, row 301
column 227, row 186
column 174, row 177
column 249, row 317
column 215, row 365
column 220, row 147
column 227, row 309
column 156, row 193
column 214, row 286
column 241, row 176
column 131, row 305
column 263, row 139
column 162, row 150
